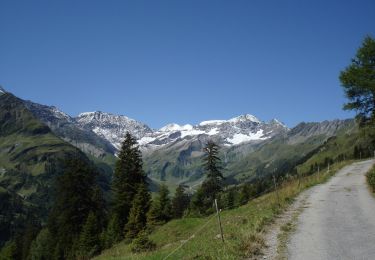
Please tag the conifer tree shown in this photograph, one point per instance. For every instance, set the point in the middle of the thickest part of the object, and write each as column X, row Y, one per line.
column 230, row 199
column 138, row 213
column 245, row 194
column 213, row 183
column 113, row 231
column 161, row 209
column 41, row 247
column 202, row 200
column 358, row 81
column 73, row 202
column 180, row 202
column 89, row 241
column 128, row 176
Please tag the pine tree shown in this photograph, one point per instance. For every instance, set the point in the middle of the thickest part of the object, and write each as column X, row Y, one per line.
column 230, row 199
column 138, row 213
column 113, row 231
column 180, row 202
column 213, row 183
column 128, row 176
column 245, row 194
column 161, row 209
column 202, row 200
column 73, row 203
column 41, row 247
column 358, row 81
column 89, row 241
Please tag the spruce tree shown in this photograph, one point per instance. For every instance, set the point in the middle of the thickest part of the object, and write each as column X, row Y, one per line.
column 89, row 241
column 73, row 202
column 128, row 176
column 138, row 213
column 113, row 232
column 212, row 164
column 180, row 202
column 230, row 198
column 203, row 199
column 161, row 209
column 245, row 194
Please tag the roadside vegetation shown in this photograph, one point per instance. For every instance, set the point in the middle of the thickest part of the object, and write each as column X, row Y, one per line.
column 199, row 237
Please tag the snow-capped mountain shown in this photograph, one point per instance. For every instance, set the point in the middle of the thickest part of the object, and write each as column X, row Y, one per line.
column 105, row 130
column 112, row 127
column 2, row 91
column 235, row 131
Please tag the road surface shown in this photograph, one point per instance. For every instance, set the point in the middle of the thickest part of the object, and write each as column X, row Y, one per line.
column 339, row 219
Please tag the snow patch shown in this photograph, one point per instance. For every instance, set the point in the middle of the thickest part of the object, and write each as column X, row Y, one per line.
column 212, row 122
column 145, row 140
column 175, row 127
column 246, row 117
column 241, row 138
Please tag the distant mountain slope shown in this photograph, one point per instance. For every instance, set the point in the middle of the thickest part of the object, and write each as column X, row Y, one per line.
column 282, row 153
column 111, row 127
column 180, row 162
column 67, row 128
column 250, row 147
column 30, row 156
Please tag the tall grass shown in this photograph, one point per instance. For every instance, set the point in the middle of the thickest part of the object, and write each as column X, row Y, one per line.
column 371, row 178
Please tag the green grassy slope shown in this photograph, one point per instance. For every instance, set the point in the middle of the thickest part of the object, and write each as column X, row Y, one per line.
column 30, row 158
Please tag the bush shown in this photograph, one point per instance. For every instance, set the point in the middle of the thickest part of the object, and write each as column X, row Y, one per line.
column 371, row 178
column 142, row 243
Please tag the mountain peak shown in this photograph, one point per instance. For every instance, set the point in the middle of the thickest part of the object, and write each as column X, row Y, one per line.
column 245, row 117
column 277, row 122
column 2, row 91
column 175, row 127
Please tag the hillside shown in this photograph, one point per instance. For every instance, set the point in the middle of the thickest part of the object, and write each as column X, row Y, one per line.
column 30, row 156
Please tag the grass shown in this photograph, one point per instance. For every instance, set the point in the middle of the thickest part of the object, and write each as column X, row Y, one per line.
column 243, row 227
column 371, row 179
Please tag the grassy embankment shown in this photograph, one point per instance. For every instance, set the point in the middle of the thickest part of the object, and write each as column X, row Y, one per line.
column 371, row 179
column 197, row 238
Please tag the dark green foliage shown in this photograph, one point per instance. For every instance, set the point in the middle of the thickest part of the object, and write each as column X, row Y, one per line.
column 201, row 204
column 212, row 163
column 28, row 235
column 180, row 202
column 113, row 231
column 230, row 199
column 203, row 199
column 245, row 194
column 371, row 179
column 41, row 247
column 89, row 241
column 138, row 212
column 9, row 251
column 358, row 81
column 128, row 176
column 74, row 201
column 161, row 209
column 142, row 243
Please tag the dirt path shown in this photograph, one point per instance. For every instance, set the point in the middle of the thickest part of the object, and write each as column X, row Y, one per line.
column 339, row 222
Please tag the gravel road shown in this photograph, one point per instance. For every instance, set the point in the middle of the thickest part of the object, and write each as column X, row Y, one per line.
column 339, row 220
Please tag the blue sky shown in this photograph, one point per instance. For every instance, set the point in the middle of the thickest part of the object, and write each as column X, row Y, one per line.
column 183, row 61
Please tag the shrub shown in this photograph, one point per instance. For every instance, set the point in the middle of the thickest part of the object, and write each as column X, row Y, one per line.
column 142, row 243
column 371, row 178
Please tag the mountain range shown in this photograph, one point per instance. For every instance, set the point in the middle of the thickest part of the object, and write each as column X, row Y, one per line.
column 35, row 139
column 173, row 153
